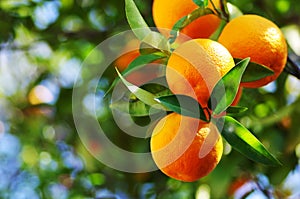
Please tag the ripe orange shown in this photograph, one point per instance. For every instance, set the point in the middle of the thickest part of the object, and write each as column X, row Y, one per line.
column 166, row 13
column 258, row 38
column 196, row 66
column 185, row 148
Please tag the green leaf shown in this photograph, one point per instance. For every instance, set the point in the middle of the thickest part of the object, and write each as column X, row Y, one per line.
column 186, row 20
column 236, row 109
column 141, row 29
column 136, row 21
column 242, row 140
column 129, row 103
column 219, row 30
column 157, row 89
column 157, row 41
column 140, row 61
column 184, row 105
column 143, row 95
column 226, row 89
column 255, row 71
column 201, row 3
column 134, row 107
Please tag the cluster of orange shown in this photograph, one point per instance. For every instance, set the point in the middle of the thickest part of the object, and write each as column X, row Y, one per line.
column 194, row 68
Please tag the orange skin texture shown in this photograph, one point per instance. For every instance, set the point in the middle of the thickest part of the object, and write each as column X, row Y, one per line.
column 196, row 66
column 185, row 148
column 258, row 38
column 167, row 13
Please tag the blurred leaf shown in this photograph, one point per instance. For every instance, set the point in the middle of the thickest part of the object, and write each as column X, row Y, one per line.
column 201, row 3
column 255, row 71
column 242, row 140
column 184, row 105
column 143, row 95
column 236, row 109
column 234, row 11
column 226, row 89
column 136, row 21
column 186, row 20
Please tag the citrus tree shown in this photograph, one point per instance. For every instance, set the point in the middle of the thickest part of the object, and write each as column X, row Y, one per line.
column 149, row 99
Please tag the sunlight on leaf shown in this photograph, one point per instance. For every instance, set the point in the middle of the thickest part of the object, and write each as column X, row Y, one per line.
column 242, row 140
column 135, row 20
column 201, row 3
column 143, row 95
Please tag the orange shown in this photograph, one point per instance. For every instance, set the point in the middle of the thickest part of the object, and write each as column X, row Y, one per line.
column 166, row 13
column 196, row 66
column 237, row 184
column 185, row 148
column 258, row 38
column 237, row 97
column 130, row 52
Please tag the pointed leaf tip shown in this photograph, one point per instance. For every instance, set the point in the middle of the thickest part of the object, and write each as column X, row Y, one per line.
column 227, row 87
column 242, row 140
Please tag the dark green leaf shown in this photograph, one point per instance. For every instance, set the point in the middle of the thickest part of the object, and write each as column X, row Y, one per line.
column 201, row 3
column 242, row 140
column 136, row 21
column 236, row 109
column 157, row 89
column 183, row 105
column 255, row 72
column 226, row 89
column 186, row 20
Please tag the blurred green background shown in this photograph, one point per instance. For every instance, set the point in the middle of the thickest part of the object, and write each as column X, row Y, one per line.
column 42, row 46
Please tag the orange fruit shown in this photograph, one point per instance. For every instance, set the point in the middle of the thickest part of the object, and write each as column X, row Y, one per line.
column 196, row 66
column 185, row 148
column 237, row 97
column 129, row 53
column 166, row 13
column 237, row 184
column 258, row 38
